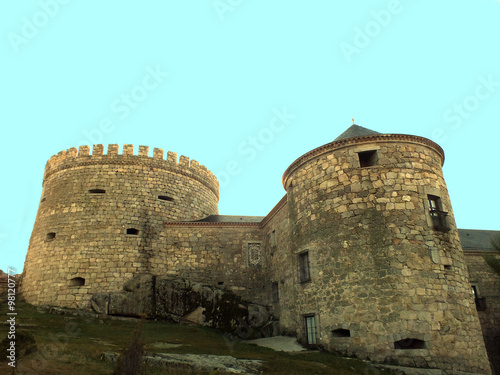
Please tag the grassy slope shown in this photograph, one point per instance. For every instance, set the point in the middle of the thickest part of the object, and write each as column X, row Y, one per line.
column 73, row 345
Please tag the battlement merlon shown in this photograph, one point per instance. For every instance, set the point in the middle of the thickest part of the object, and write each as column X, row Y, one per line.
column 73, row 157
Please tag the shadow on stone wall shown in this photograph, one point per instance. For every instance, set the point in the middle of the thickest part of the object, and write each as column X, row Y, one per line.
column 182, row 301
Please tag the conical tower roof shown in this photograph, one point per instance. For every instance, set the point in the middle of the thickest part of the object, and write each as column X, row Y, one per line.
column 355, row 131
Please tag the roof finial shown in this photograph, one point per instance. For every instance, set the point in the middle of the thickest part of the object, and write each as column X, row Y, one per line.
column 353, row 120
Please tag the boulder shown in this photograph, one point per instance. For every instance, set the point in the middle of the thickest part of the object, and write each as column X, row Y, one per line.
column 100, row 303
column 181, row 300
column 137, row 299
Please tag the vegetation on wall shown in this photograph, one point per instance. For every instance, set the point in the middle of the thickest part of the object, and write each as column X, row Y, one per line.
column 492, row 260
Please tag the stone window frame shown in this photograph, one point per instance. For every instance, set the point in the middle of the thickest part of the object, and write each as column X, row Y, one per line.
column 273, row 239
column 50, row 236
column 97, row 191
column 341, row 333
column 475, row 289
column 247, row 254
column 166, row 197
column 74, row 282
column 430, row 191
column 137, row 234
column 300, row 275
column 403, row 336
column 275, row 292
column 314, row 318
column 365, row 148
column 479, row 300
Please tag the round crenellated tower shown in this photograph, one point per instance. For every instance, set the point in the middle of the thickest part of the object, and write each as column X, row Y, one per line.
column 379, row 259
column 100, row 215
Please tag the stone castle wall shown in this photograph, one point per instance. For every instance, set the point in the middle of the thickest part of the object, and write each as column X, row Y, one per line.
column 101, row 216
column 379, row 272
column 487, row 284
column 228, row 256
column 381, row 275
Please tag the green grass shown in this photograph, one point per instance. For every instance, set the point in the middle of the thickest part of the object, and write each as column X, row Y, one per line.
column 73, row 345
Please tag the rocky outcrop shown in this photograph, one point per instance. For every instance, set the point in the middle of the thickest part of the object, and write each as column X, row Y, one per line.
column 197, row 362
column 182, row 301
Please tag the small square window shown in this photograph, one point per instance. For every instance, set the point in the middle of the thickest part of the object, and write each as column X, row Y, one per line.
column 132, row 231
column 367, row 158
column 77, row 281
column 304, row 270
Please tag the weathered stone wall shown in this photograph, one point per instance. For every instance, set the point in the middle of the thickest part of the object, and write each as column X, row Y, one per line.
column 487, row 284
column 89, row 202
column 214, row 254
column 378, row 268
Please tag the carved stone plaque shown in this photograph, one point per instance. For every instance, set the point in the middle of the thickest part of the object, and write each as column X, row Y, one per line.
column 254, row 253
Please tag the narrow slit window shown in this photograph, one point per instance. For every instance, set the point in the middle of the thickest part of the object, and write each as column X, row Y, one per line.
column 133, row 231
column 478, row 300
column 273, row 238
column 50, row 236
column 311, row 332
column 474, row 291
column 341, row 332
column 409, row 343
column 97, row 191
column 165, row 198
column 367, row 158
column 275, row 292
column 77, row 281
column 304, row 270
column 220, row 283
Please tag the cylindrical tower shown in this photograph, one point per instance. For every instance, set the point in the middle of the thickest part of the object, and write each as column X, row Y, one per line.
column 98, row 216
column 379, row 260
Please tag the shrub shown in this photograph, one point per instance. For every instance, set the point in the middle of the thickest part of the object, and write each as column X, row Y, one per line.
column 129, row 361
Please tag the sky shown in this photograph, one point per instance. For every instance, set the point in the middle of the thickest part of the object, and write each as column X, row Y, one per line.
column 245, row 87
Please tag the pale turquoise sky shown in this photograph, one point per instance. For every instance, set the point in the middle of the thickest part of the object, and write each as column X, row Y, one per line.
column 207, row 78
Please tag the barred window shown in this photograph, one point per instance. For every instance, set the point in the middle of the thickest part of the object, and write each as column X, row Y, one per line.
column 304, row 270
column 438, row 216
column 310, row 322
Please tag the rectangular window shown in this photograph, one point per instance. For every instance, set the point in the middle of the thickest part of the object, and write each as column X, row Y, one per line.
column 304, row 270
column 275, row 291
column 273, row 238
column 367, row 158
column 310, row 321
column 474, row 291
column 438, row 216
column 480, row 301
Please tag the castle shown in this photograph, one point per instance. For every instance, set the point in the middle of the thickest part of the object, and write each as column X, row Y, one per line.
column 361, row 256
